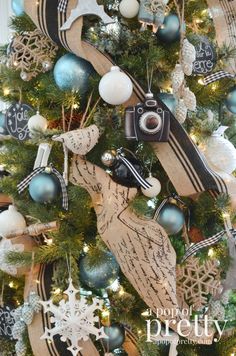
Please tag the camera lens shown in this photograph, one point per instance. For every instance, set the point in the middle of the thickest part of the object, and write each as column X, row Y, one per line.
column 150, row 122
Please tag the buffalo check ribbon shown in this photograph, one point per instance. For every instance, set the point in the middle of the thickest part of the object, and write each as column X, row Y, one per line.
column 205, row 243
column 62, row 5
column 221, row 74
column 26, row 182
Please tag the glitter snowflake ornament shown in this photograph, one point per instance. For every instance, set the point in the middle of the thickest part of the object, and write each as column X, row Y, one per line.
column 74, row 319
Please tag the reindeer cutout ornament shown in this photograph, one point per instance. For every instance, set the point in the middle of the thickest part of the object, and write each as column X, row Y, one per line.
column 141, row 247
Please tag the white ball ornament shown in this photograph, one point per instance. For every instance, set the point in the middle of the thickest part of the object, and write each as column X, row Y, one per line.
column 220, row 152
column 129, row 8
column 115, row 87
column 11, row 220
column 155, row 187
column 37, row 123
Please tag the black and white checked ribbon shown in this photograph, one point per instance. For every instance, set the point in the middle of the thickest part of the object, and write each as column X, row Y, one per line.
column 26, row 182
column 144, row 184
column 62, row 6
column 205, row 243
column 217, row 76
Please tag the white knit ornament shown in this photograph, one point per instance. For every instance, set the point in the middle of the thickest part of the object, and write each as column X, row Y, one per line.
column 11, row 220
column 20, row 348
column 177, row 77
column 129, row 8
column 189, row 99
column 225, row 297
column 181, row 111
column 220, row 152
column 187, row 68
column 188, row 52
column 27, row 313
column 18, row 330
column 34, row 301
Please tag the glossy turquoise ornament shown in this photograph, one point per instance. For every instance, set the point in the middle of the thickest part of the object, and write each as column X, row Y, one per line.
column 171, row 218
column 231, row 100
column 169, row 32
column 169, row 100
column 17, row 7
column 72, row 73
column 101, row 275
column 3, row 128
column 116, row 337
column 44, row 188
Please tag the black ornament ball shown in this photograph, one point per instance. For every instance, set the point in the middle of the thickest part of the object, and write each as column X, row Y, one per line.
column 206, row 56
column 101, row 275
column 116, row 336
column 122, row 175
column 231, row 100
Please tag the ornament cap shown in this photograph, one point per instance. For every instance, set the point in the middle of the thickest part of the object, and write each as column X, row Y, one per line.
column 220, row 131
column 115, row 69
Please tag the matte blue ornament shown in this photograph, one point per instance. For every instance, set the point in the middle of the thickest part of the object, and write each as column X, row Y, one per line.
column 169, row 100
column 72, row 73
column 17, row 7
column 3, row 128
column 231, row 100
column 44, row 188
column 170, row 30
column 116, row 337
column 171, row 218
column 101, row 275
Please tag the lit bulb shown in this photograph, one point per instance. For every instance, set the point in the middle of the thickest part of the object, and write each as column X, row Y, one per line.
column 86, row 248
column 57, row 291
column 11, row 285
column 200, row 81
column 6, row 91
column 105, row 313
column 121, row 292
column 211, row 252
column 75, row 106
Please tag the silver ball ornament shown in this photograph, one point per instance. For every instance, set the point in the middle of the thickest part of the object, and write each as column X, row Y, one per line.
column 25, row 76
column 108, row 158
column 47, row 65
column 171, row 218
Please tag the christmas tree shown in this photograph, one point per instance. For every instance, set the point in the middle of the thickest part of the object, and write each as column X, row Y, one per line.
column 117, row 186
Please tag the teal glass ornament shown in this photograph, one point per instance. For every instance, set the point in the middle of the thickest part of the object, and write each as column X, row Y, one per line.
column 3, row 128
column 171, row 218
column 169, row 32
column 72, row 73
column 44, row 188
column 231, row 100
column 116, row 337
column 101, row 275
column 17, row 7
column 169, row 100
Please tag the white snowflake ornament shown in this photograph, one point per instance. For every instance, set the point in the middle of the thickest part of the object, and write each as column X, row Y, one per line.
column 74, row 319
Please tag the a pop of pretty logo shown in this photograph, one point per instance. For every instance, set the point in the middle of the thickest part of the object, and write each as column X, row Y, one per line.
column 161, row 323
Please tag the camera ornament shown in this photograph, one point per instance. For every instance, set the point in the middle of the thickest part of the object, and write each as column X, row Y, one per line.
column 127, row 172
column 147, row 121
column 152, row 13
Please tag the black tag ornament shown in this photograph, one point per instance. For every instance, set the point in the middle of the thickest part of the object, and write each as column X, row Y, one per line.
column 7, row 322
column 205, row 57
column 17, row 117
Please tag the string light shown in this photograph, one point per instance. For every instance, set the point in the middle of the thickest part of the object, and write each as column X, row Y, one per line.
column 75, row 106
column 11, row 284
column 6, row 91
column 57, row 291
column 121, row 291
column 211, row 252
column 200, row 81
column 105, row 313
column 86, row 248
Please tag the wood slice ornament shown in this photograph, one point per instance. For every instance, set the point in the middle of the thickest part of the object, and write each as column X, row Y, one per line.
column 17, row 121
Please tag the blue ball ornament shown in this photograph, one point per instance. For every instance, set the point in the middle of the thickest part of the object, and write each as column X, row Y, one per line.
column 3, row 128
column 72, row 73
column 171, row 218
column 17, row 7
column 44, row 188
column 116, row 336
column 169, row 100
column 231, row 100
column 169, row 32
column 101, row 275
